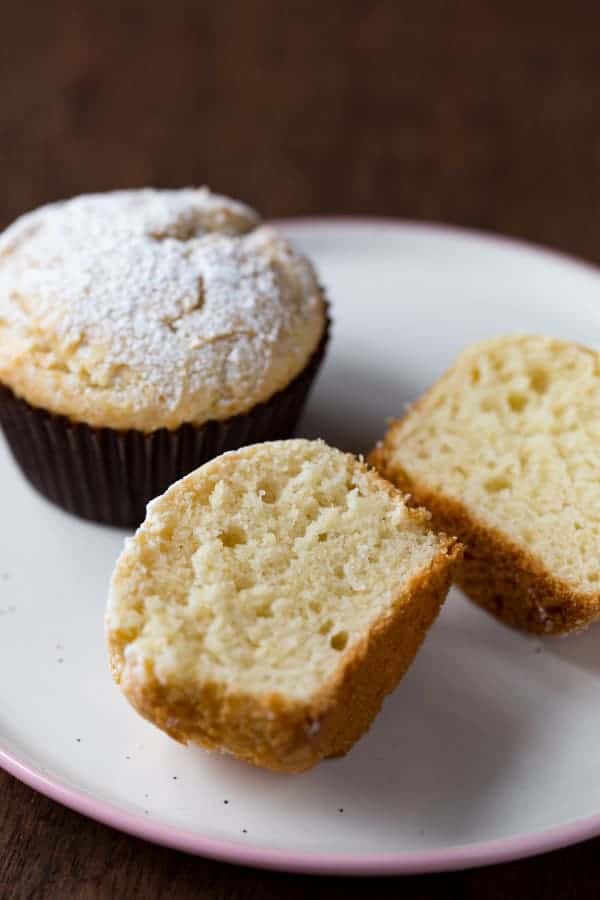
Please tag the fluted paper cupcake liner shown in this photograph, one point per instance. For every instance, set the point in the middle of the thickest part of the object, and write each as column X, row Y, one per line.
column 109, row 476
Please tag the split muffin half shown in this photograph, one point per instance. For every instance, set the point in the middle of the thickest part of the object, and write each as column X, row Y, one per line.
column 271, row 599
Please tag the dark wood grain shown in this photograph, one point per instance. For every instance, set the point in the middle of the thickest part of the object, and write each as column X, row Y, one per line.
column 480, row 113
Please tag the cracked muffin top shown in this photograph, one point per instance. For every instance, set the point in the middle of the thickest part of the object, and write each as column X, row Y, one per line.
column 147, row 309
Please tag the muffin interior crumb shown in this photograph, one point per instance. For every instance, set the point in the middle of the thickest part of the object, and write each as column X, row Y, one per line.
column 263, row 568
column 513, row 431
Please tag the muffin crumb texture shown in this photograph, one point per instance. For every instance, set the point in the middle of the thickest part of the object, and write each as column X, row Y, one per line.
column 148, row 309
column 256, row 584
column 507, row 443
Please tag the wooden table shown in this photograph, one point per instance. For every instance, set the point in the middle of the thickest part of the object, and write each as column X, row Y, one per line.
column 479, row 113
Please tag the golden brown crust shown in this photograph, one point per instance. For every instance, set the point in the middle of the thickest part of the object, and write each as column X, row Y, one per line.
column 496, row 573
column 384, row 655
column 285, row 736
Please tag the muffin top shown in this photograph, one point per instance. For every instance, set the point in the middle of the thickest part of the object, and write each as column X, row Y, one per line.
column 147, row 309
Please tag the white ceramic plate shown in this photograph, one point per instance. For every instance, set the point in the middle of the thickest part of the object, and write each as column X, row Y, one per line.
column 489, row 748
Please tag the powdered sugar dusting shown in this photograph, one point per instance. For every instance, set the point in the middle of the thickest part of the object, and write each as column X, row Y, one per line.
column 166, row 299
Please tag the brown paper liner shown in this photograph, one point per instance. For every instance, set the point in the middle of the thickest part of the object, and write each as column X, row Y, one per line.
column 109, row 476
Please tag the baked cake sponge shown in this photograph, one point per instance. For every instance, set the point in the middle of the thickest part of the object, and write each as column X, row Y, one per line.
column 504, row 450
column 271, row 599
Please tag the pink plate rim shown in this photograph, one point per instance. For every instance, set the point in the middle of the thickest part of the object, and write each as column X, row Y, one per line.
column 443, row 859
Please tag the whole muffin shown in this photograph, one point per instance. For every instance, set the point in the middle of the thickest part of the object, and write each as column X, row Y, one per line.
column 144, row 332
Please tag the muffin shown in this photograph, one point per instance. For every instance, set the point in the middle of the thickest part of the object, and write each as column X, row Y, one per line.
column 271, row 599
column 504, row 450
column 144, row 332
